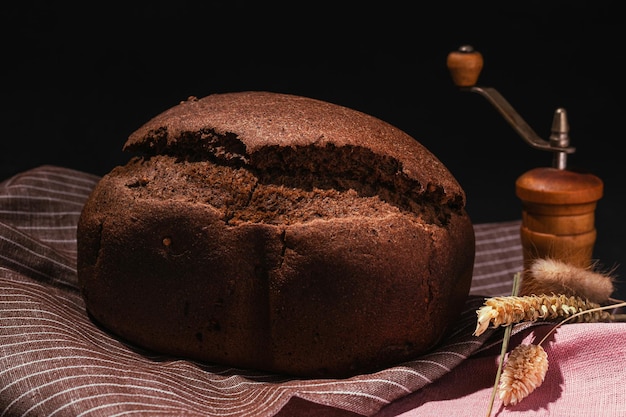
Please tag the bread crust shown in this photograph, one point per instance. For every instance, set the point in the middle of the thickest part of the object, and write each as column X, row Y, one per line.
column 325, row 248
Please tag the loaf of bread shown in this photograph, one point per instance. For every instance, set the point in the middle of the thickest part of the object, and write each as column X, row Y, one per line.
column 276, row 232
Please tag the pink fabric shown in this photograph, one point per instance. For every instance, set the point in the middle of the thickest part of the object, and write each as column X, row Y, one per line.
column 585, row 378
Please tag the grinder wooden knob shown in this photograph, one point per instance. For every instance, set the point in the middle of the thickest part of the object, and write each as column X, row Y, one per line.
column 465, row 66
column 558, row 215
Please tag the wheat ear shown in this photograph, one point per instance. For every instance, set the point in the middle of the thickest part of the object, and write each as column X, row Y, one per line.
column 547, row 276
column 505, row 310
column 524, row 371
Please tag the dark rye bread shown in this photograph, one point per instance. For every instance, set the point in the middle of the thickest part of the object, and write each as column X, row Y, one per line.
column 276, row 232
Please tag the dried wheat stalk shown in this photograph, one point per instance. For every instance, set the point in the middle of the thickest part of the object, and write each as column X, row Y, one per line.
column 505, row 310
column 575, row 294
column 527, row 365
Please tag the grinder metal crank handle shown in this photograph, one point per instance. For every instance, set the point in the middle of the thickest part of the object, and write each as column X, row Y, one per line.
column 465, row 66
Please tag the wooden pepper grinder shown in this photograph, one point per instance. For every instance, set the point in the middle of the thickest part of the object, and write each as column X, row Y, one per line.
column 558, row 205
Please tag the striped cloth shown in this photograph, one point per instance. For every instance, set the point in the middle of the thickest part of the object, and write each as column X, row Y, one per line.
column 55, row 362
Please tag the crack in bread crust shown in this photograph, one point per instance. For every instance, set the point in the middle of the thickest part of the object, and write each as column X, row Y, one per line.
column 331, row 181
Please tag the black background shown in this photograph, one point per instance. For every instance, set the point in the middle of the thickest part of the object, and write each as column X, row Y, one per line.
column 79, row 78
